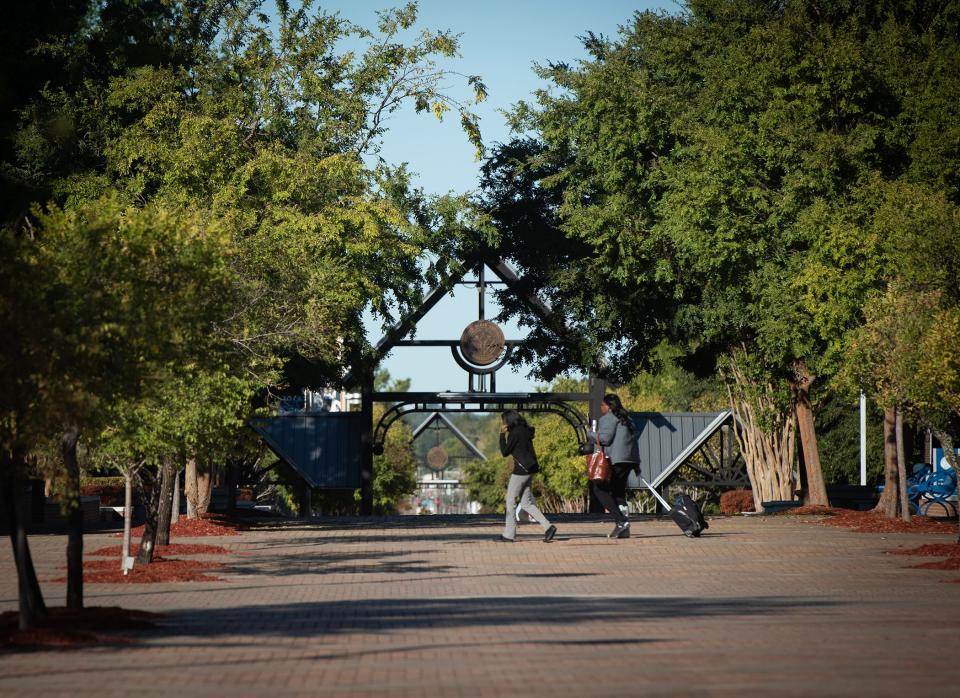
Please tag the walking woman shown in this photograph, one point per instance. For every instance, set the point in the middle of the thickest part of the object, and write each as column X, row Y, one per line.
column 617, row 434
column 516, row 439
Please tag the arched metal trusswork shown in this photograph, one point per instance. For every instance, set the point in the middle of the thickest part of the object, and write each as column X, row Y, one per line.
column 409, row 403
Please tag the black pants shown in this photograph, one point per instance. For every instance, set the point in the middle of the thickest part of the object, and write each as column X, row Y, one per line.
column 613, row 492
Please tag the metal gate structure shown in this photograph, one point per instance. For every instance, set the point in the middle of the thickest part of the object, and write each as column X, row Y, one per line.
column 307, row 442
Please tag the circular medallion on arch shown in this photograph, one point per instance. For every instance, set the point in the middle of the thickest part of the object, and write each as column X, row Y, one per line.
column 482, row 342
column 437, row 458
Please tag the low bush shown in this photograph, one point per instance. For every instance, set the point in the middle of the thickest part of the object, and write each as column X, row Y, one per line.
column 736, row 501
column 109, row 489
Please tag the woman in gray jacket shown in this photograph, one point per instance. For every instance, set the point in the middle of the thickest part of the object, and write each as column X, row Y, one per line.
column 617, row 434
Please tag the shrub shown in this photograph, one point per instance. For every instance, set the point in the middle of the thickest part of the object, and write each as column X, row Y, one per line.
column 736, row 501
column 109, row 489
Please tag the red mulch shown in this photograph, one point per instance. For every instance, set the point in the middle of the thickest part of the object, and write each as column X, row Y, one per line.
column 870, row 522
column 950, row 563
column 950, row 551
column 66, row 627
column 209, row 525
column 932, row 549
column 172, row 549
column 159, row 571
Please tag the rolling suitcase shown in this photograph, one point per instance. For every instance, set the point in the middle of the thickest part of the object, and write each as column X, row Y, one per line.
column 684, row 512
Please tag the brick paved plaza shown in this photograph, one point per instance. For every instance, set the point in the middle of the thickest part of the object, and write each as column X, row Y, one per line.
column 759, row 606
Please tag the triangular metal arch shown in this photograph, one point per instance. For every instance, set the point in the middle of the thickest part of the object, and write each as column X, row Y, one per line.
column 452, row 427
column 499, row 267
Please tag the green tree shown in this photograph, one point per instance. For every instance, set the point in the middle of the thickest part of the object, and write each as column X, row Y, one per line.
column 679, row 184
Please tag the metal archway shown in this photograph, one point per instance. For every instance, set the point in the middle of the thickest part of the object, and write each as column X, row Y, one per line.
column 552, row 403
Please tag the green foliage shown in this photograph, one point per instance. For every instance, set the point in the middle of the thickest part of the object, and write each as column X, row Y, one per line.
column 737, row 179
column 695, row 159
column 486, row 483
column 838, row 437
column 394, row 472
column 111, row 297
column 668, row 387
column 217, row 158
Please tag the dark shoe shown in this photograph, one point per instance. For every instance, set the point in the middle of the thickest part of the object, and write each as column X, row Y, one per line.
column 502, row 539
column 620, row 531
column 549, row 534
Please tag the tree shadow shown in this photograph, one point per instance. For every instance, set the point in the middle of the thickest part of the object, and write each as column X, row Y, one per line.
column 410, row 614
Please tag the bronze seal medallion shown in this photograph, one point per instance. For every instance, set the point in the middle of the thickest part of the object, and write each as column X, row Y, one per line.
column 481, row 342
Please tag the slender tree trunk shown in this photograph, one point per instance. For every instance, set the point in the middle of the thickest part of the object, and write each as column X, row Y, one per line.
column 204, row 491
column 190, row 488
column 902, row 468
column 946, row 441
column 168, row 472
column 152, row 507
column 126, row 562
column 31, row 605
column 175, row 510
column 304, row 503
column 68, row 445
column 815, row 491
column 196, row 487
column 888, row 500
column 231, row 487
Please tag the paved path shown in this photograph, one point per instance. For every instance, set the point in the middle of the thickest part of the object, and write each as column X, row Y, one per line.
column 760, row 606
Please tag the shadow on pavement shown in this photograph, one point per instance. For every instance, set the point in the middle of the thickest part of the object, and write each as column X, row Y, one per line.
column 384, row 615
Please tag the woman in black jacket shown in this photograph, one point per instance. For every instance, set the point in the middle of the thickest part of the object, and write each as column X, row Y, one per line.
column 516, row 439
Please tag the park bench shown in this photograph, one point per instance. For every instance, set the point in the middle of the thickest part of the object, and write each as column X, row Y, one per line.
column 927, row 487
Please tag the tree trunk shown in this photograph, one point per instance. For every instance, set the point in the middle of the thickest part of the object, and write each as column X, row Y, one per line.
column 175, row 510
column 231, row 487
column 31, row 605
column 304, row 503
column 766, row 436
column 888, row 500
column 902, row 468
column 946, row 441
column 190, row 488
column 167, row 474
column 196, row 487
column 68, row 445
column 152, row 507
column 815, row 490
column 125, row 559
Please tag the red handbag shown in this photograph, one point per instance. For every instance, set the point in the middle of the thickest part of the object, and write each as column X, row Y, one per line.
column 598, row 465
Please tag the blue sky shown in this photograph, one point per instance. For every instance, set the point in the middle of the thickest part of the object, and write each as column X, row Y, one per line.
column 500, row 41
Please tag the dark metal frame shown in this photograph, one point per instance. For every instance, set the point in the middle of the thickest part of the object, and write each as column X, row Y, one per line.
column 477, row 398
column 410, row 403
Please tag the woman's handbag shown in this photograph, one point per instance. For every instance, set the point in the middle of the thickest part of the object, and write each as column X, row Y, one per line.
column 598, row 465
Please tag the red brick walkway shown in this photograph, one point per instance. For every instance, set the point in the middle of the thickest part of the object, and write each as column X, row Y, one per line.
column 759, row 606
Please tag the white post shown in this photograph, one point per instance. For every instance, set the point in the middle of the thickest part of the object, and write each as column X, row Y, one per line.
column 863, row 439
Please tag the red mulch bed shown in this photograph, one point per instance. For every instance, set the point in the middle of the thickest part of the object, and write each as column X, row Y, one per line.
column 161, row 570
column 172, row 549
column 950, row 563
column 68, row 627
column 950, row 551
column 870, row 522
column 209, row 525
column 932, row 550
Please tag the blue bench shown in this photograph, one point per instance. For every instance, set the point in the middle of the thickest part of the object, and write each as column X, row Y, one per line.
column 927, row 487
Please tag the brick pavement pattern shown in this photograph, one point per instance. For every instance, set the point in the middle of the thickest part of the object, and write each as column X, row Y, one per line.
column 758, row 606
